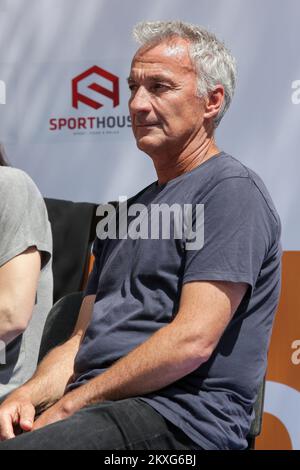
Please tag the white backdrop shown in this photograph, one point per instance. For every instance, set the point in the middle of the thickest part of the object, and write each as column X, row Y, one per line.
column 44, row 44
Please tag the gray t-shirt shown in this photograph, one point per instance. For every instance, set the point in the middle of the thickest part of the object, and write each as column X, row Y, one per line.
column 24, row 223
column 138, row 283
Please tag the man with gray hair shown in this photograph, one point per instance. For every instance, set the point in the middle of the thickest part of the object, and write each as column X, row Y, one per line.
column 171, row 343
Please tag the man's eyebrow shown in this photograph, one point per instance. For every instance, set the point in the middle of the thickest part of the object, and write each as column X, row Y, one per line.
column 156, row 77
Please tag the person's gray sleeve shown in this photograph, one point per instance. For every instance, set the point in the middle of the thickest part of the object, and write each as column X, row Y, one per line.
column 238, row 232
column 23, row 217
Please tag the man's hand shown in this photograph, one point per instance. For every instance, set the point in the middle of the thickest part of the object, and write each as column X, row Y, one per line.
column 63, row 409
column 50, row 416
column 16, row 414
column 47, row 386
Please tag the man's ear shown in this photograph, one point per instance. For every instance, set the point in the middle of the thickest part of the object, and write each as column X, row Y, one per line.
column 213, row 102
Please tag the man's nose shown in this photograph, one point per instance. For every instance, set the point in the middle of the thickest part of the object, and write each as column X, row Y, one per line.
column 140, row 101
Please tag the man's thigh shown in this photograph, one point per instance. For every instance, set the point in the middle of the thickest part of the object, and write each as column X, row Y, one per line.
column 123, row 424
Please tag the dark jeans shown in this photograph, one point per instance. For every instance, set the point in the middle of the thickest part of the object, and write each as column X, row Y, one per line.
column 111, row 425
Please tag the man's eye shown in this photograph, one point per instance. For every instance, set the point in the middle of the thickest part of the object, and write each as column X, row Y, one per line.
column 159, row 86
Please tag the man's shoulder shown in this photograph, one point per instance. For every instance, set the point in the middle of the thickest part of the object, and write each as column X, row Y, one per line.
column 219, row 168
column 225, row 177
column 253, row 182
column 226, row 167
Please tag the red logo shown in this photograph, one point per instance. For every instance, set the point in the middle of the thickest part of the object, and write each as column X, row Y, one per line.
column 114, row 95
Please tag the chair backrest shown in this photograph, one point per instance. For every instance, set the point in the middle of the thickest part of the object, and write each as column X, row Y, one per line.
column 73, row 231
column 60, row 322
column 256, row 425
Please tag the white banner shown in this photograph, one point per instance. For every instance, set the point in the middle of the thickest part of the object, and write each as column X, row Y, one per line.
column 45, row 44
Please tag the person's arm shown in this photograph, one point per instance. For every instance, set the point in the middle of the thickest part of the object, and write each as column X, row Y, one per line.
column 48, row 383
column 18, row 285
column 168, row 355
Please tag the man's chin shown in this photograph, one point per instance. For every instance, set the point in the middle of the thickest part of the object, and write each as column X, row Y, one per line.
column 146, row 144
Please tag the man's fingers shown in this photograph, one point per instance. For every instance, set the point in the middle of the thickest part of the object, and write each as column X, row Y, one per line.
column 42, row 420
column 27, row 414
column 6, row 428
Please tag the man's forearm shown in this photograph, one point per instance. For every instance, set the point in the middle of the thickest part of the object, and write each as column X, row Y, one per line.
column 161, row 360
column 52, row 375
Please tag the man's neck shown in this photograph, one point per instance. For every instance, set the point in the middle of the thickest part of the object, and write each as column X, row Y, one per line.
column 170, row 168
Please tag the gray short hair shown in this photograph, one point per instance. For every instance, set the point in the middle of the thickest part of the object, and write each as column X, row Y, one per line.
column 214, row 63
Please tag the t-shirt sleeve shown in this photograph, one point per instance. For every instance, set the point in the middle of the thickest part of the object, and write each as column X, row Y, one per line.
column 237, row 234
column 93, row 280
column 23, row 218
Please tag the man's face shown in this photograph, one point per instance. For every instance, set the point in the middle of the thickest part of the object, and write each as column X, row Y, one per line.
column 165, row 110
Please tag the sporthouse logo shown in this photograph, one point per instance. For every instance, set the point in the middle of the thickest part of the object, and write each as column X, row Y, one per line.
column 2, row 92
column 113, row 94
column 94, row 121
